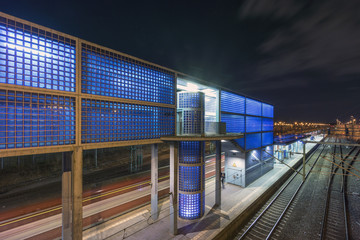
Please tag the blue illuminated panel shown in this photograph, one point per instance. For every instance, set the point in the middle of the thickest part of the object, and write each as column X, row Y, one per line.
column 191, row 206
column 35, row 120
column 253, row 124
column 253, row 107
column 234, row 123
column 267, row 110
column 267, row 124
column 253, row 141
column 190, row 178
column 231, row 102
column 36, row 58
column 190, row 152
column 104, row 121
column 267, row 138
column 241, row 142
column 109, row 74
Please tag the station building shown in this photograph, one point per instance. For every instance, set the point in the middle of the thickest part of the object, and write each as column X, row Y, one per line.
column 59, row 93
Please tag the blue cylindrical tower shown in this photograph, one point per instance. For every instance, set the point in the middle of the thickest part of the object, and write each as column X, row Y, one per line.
column 191, row 156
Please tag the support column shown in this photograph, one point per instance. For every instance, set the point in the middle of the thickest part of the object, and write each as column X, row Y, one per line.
column 154, row 181
column 218, row 174
column 96, row 158
column 173, row 187
column 304, row 160
column 66, row 195
column 77, row 165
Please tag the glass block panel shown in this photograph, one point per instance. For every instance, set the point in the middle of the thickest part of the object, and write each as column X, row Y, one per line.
column 190, row 206
column 109, row 74
column 253, row 107
column 267, row 110
column 193, row 122
column 253, row 124
column 35, row 58
column 35, row 120
column 253, row 141
column 190, row 100
column 190, row 178
column 267, row 138
column 231, row 102
column 234, row 123
column 191, row 152
column 105, row 121
column 267, row 124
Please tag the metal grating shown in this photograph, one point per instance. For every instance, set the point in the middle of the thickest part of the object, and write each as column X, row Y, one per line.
column 253, row 124
column 106, row 121
column 35, row 120
column 33, row 57
column 233, row 103
column 109, row 74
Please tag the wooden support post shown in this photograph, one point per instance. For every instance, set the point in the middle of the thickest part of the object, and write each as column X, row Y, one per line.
column 154, row 181
column 77, row 165
column 173, row 187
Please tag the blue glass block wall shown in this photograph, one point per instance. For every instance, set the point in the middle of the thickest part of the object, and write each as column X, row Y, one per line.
column 267, row 124
column 105, row 121
column 191, row 205
column 267, row 110
column 253, row 107
column 253, row 141
column 267, row 138
column 234, row 123
column 190, row 178
column 253, row 124
column 32, row 57
column 35, row 120
column 109, row 74
column 233, row 103
column 190, row 152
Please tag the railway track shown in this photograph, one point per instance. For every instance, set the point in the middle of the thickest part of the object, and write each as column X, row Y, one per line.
column 264, row 223
column 335, row 224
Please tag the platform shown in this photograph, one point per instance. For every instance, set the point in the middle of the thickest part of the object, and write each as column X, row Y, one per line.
column 235, row 201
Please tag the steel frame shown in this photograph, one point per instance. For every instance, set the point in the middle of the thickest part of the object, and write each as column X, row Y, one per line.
column 79, row 96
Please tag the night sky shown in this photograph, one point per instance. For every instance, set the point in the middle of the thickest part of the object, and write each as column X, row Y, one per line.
column 302, row 56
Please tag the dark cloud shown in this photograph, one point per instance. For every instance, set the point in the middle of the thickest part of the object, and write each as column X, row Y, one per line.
column 324, row 38
column 309, row 64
